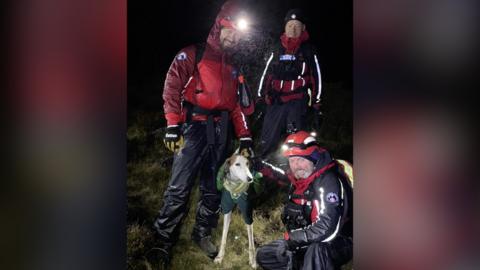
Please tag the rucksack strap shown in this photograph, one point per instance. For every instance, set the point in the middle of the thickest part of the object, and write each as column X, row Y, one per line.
column 199, row 50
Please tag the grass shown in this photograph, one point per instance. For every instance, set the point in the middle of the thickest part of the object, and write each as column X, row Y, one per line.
column 148, row 173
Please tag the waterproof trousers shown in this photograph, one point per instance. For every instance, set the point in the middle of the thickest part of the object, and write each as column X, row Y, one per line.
column 279, row 119
column 197, row 155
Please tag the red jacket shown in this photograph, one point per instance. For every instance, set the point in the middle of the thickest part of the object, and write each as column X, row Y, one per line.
column 212, row 85
column 292, row 65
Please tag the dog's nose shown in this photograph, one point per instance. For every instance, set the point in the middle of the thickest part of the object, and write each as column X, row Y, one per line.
column 249, row 176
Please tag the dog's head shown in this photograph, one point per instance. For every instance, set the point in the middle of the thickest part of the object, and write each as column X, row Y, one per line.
column 239, row 168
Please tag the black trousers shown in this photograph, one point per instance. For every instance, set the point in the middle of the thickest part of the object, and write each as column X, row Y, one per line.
column 319, row 255
column 195, row 156
column 277, row 118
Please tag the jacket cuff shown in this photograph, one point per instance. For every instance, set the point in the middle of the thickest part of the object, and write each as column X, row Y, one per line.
column 244, row 134
column 173, row 119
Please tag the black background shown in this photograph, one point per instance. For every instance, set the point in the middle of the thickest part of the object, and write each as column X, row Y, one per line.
column 159, row 29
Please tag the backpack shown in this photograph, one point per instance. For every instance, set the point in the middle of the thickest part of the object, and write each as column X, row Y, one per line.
column 345, row 171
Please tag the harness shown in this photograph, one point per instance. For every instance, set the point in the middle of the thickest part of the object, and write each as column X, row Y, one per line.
column 297, row 215
column 211, row 115
column 194, row 112
column 290, row 80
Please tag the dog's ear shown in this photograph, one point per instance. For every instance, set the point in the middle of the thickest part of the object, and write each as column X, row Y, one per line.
column 228, row 162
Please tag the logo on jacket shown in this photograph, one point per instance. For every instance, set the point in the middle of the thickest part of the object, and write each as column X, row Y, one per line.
column 332, row 197
column 182, row 56
column 287, row 57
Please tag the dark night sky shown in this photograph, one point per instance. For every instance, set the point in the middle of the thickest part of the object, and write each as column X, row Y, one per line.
column 159, row 29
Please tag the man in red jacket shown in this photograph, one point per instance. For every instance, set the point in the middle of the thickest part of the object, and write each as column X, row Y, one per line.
column 200, row 103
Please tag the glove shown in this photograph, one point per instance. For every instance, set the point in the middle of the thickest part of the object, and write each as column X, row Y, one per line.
column 257, row 164
column 246, row 149
column 288, row 244
column 258, row 185
column 173, row 138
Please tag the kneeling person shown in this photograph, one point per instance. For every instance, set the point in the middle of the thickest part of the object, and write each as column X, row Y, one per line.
column 316, row 213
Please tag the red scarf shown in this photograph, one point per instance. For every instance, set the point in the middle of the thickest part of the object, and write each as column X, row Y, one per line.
column 302, row 184
column 291, row 45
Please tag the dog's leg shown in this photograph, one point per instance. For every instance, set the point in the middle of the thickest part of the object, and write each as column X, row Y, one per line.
column 226, row 224
column 251, row 247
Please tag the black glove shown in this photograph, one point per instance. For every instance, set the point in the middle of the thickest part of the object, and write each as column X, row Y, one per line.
column 173, row 138
column 289, row 245
column 246, row 149
column 257, row 164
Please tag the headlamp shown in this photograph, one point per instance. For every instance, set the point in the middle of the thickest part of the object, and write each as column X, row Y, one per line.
column 239, row 23
column 242, row 24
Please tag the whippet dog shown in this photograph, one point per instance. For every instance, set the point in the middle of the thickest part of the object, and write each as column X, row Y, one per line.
column 234, row 179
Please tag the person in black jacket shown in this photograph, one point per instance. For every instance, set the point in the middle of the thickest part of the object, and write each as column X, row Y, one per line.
column 316, row 214
column 290, row 83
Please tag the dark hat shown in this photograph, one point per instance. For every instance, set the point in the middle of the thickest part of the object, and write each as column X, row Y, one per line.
column 296, row 14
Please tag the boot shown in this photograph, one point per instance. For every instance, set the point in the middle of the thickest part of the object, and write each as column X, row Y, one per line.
column 206, row 246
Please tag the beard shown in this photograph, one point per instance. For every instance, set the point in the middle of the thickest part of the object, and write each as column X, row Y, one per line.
column 228, row 44
column 302, row 174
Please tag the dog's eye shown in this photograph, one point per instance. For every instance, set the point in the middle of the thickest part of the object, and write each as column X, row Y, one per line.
column 237, row 164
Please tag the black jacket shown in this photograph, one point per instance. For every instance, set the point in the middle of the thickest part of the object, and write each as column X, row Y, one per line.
column 317, row 206
column 301, row 69
column 323, row 207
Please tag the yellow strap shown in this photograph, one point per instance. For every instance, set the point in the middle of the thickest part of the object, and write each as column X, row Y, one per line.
column 347, row 169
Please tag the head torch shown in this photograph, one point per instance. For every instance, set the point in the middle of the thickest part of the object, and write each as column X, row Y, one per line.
column 302, row 146
column 240, row 23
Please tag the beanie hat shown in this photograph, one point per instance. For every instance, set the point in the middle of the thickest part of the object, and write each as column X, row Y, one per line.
column 295, row 14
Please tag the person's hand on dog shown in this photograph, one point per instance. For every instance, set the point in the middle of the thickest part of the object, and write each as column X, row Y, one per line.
column 173, row 138
column 257, row 164
column 246, row 148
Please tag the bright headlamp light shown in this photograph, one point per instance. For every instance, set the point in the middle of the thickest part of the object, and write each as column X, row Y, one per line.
column 242, row 24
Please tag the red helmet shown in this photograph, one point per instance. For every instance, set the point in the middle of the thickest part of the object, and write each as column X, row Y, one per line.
column 300, row 143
